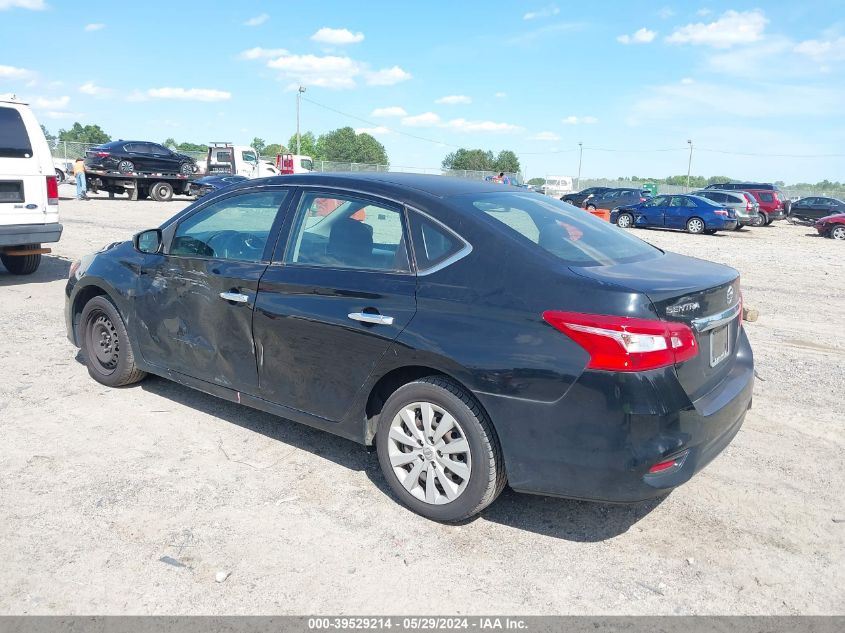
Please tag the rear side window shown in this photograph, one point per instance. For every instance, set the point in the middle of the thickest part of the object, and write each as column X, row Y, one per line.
column 14, row 141
column 574, row 236
column 433, row 243
column 766, row 196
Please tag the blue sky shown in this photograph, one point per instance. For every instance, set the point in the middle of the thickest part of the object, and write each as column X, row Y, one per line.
column 759, row 88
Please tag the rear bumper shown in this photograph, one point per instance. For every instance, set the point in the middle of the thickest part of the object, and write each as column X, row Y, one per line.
column 599, row 441
column 20, row 234
column 780, row 214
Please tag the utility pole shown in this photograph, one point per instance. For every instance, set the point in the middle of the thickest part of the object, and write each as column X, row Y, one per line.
column 299, row 92
column 580, row 154
column 689, row 165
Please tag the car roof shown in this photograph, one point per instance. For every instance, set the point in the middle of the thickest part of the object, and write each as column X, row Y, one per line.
column 392, row 182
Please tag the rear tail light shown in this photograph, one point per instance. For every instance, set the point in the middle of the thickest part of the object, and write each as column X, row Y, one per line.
column 624, row 343
column 669, row 464
column 102, row 154
column 642, row 199
column 748, row 206
column 721, row 212
column 52, row 190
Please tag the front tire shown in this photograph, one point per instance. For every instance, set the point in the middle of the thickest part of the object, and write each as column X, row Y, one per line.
column 438, row 450
column 624, row 220
column 591, row 207
column 60, row 176
column 186, row 169
column 105, row 344
column 161, row 192
column 695, row 226
column 838, row 232
column 760, row 219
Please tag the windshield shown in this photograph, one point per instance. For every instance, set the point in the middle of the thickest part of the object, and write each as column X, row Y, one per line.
column 14, row 141
column 576, row 237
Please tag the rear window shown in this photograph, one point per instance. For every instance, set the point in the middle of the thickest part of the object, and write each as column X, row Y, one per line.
column 14, row 141
column 574, row 236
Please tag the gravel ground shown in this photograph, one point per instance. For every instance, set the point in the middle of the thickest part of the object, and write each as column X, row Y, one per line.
column 131, row 501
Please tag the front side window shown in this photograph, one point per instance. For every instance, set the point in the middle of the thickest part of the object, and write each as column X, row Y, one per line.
column 235, row 228
column 340, row 231
column 14, row 141
column 249, row 157
column 575, row 237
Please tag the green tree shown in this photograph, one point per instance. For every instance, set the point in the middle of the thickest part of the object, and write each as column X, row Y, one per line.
column 259, row 145
column 272, row 149
column 192, row 147
column 537, row 181
column 470, row 159
column 51, row 139
column 507, row 161
column 344, row 145
column 308, row 144
column 84, row 134
column 171, row 143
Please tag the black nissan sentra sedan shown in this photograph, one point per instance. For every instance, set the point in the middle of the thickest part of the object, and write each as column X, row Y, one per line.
column 476, row 334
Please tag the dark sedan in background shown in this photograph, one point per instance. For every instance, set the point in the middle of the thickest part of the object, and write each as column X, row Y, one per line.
column 808, row 210
column 129, row 157
column 209, row 184
column 593, row 365
column 579, row 198
column 613, row 198
column 692, row 214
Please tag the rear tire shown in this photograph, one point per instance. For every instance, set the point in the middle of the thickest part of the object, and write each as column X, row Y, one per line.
column 126, row 167
column 22, row 264
column 591, row 207
column 105, row 344
column 161, row 192
column 837, row 232
column 60, row 176
column 695, row 226
column 410, row 453
column 760, row 220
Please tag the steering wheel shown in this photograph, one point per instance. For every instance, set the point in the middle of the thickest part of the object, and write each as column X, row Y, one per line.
column 237, row 245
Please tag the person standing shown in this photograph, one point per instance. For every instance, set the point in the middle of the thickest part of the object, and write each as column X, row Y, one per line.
column 79, row 174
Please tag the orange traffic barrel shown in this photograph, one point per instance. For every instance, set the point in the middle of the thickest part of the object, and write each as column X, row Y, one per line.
column 604, row 214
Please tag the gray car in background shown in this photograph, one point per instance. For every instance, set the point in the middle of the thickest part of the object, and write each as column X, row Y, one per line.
column 743, row 203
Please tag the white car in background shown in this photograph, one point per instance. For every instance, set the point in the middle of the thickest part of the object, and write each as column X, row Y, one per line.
column 29, row 191
column 557, row 186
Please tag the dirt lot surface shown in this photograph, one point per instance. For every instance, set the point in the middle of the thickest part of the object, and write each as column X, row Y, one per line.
column 130, row 501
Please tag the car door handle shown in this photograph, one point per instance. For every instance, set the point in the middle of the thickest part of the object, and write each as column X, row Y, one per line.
column 237, row 297
column 367, row 317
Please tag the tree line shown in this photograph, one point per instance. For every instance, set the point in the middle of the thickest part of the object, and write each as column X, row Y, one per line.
column 340, row 145
column 482, row 160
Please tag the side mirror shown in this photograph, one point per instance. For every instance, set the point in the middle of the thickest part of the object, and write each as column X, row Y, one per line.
column 148, row 242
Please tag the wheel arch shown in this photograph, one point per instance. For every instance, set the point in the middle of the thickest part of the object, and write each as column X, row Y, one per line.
column 392, row 380
column 81, row 297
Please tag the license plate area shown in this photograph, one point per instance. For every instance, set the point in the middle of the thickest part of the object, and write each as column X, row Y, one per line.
column 11, row 191
column 720, row 347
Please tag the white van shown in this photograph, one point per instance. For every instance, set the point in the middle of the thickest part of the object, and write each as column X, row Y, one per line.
column 29, row 193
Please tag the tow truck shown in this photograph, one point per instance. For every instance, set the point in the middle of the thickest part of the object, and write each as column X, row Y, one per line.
column 160, row 186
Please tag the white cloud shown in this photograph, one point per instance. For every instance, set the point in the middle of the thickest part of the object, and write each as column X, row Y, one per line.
column 556, row 28
column 500, row 95
column 387, row 76
column 189, row 94
column 544, row 136
column 426, row 119
column 687, row 80
column 90, row 88
column 337, row 37
column 685, row 102
column 577, row 120
column 462, row 125
column 665, row 13
column 389, row 111
column 640, row 36
column 823, row 50
column 96, row 26
column 35, row 5
column 545, row 12
column 373, row 131
column 733, row 27
column 262, row 53
column 59, row 103
column 328, row 71
column 63, row 115
column 454, row 99
column 12, row 72
column 258, row 20
column 703, row 12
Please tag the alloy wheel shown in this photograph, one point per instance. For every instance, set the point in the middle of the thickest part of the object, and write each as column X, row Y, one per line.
column 695, row 226
column 623, row 221
column 429, row 453
column 838, row 233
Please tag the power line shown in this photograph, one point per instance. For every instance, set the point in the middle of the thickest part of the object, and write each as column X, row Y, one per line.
column 770, row 155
